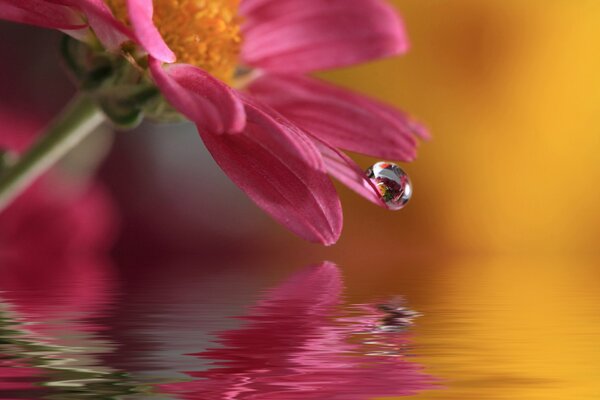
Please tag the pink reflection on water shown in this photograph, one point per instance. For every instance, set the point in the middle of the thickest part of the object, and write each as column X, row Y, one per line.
column 294, row 347
column 55, row 282
column 15, row 376
column 53, row 243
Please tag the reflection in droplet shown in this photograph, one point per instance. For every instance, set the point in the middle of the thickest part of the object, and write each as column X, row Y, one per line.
column 392, row 182
column 302, row 342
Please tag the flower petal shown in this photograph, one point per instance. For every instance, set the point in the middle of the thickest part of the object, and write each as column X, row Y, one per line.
column 309, row 35
column 140, row 14
column 41, row 13
column 280, row 169
column 345, row 170
column 110, row 31
column 207, row 101
column 341, row 118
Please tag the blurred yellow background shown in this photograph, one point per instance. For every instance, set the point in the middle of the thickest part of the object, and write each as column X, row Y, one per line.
column 511, row 92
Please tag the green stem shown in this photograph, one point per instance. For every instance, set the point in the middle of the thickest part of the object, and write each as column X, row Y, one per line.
column 80, row 118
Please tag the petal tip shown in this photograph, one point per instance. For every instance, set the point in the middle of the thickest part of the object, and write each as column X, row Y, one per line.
column 168, row 57
column 424, row 133
column 147, row 34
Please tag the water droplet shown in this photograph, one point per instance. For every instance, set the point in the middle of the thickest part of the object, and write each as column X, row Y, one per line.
column 392, row 182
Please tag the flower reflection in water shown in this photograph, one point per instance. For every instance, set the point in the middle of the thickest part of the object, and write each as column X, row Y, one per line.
column 63, row 366
column 301, row 342
column 51, row 340
column 56, row 287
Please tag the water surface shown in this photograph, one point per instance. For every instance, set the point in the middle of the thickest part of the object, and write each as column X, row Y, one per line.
column 492, row 328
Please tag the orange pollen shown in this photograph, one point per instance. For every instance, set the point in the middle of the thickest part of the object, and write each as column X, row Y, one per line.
column 205, row 33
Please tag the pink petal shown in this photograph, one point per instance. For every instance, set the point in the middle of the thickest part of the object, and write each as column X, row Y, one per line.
column 341, row 118
column 280, row 169
column 111, row 32
column 207, row 101
column 41, row 13
column 309, row 35
column 345, row 170
column 140, row 14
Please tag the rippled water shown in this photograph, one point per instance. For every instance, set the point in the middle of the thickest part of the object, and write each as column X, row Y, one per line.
column 493, row 329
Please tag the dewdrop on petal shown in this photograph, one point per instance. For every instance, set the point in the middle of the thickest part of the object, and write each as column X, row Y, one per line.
column 392, row 183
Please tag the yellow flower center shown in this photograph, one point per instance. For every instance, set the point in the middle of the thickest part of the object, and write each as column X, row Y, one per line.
column 205, row 33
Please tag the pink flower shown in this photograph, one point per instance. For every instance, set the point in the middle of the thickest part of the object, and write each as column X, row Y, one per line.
column 280, row 138
column 294, row 347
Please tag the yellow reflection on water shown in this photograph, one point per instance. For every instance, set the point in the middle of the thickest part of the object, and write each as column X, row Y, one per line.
column 510, row 328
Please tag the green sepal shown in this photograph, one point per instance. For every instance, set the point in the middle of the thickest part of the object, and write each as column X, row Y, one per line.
column 118, row 82
column 90, row 68
column 124, row 104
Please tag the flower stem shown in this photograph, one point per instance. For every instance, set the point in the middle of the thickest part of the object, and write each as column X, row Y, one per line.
column 80, row 118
